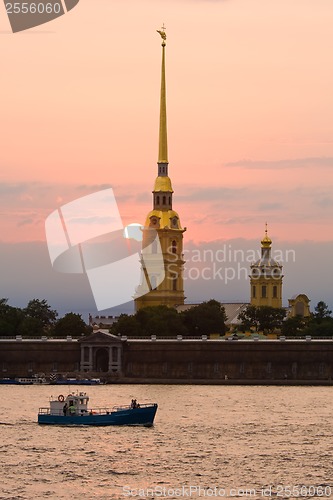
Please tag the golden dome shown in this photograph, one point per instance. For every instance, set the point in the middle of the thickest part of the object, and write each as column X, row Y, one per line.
column 266, row 241
column 163, row 184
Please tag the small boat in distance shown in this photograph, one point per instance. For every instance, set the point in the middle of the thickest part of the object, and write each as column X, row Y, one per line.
column 74, row 381
column 7, row 380
column 73, row 410
column 35, row 380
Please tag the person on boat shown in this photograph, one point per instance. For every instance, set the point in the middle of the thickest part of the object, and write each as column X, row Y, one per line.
column 72, row 409
column 65, row 409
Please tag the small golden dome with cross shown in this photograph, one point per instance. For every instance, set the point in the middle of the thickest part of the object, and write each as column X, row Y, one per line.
column 266, row 241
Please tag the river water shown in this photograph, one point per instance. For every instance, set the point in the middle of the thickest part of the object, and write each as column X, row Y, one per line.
column 207, row 442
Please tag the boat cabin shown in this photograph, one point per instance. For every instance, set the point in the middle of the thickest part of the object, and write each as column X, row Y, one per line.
column 74, row 404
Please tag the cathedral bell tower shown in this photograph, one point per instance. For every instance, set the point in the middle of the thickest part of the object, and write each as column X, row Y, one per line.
column 266, row 278
column 165, row 221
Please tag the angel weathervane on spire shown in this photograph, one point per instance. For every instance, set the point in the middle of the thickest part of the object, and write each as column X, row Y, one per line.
column 162, row 33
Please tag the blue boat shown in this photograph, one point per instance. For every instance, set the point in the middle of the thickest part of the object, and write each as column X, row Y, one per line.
column 73, row 410
column 11, row 381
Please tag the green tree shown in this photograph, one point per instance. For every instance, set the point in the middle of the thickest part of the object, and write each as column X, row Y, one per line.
column 153, row 320
column 321, row 312
column 160, row 320
column 71, row 324
column 126, row 325
column 10, row 318
column 30, row 327
column 208, row 317
column 264, row 318
column 322, row 329
column 39, row 318
column 294, row 326
column 249, row 318
column 270, row 318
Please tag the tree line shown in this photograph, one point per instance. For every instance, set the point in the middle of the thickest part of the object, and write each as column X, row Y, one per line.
column 269, row 319
column 38, row 319
column 204, row 319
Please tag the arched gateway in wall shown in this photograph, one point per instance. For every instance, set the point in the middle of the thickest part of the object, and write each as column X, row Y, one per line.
column 101, row 352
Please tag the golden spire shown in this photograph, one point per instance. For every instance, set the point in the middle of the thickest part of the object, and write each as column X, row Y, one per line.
column 163, row 141
column 266, row 241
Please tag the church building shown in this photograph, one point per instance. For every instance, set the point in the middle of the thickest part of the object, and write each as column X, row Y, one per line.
column 266, row 278
column 154, row 290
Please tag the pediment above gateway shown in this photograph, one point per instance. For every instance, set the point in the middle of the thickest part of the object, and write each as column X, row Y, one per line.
column 100, row 338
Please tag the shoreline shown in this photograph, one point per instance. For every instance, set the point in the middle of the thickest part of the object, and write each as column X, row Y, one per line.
column 257, row 382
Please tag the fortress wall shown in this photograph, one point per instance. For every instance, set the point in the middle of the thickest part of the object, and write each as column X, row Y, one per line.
column 237, row 360
column 25, row 358
column 181, row 360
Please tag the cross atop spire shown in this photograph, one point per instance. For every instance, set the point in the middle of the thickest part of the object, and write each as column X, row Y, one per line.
column 163, row 141
column 266, row 241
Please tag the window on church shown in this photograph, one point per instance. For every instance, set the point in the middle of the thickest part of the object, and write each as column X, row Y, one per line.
column 254, row 291
column 157, row 200
column 164, row 200
column 274, row 292
column 264, row 291
column 174, row 246
column 169, row 200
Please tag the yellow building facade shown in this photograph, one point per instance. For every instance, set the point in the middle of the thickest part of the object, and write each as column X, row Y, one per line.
column 165, row 221
column 266, row 278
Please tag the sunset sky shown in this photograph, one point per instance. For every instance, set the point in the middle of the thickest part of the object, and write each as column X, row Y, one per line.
column 250, row 129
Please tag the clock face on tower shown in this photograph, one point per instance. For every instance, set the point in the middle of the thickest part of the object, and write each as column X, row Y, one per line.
column 153, row 221
column 174, row 222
